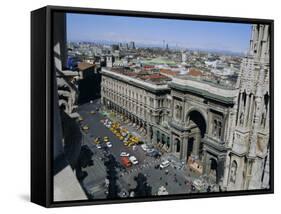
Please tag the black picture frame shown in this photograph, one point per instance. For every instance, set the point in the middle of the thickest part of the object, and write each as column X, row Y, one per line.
column 42, row 89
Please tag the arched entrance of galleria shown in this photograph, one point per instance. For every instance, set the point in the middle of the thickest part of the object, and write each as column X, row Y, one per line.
column 188, row 142
column 196, row 126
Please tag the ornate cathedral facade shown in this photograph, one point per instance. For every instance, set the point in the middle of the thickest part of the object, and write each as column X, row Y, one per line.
column 247, row 163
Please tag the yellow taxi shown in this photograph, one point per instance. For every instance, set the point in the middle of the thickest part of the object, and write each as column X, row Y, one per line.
column 96, row 141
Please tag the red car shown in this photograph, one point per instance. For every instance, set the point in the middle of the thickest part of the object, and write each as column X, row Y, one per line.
column 126, row 162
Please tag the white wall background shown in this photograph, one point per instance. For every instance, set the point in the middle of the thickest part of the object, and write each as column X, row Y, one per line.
column 15, row 105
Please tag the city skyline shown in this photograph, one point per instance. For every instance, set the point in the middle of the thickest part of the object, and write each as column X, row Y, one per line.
column 231, row 37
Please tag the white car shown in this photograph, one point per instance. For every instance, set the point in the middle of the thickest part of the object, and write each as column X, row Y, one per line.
column 164, row 164
column 133, row 159
column 109, row 144
column 124, row 154
column 98, row 146
column 144, row 147
column 149, row 150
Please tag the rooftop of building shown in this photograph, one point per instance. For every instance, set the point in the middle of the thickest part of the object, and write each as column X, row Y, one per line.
column 210, row 80
column 144, row 75
column 203, row 85
column 168, row 72
column 195, row 72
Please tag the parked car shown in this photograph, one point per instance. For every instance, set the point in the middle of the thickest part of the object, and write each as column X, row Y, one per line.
column 144, row 147
column 85, row 128
column 126, row 162
column 109, row 144
column 124, row 154
column 98, row 146
column 149, row 150
column 164, row 164
column 97, row 140
column 155, row 154
column 133, row 159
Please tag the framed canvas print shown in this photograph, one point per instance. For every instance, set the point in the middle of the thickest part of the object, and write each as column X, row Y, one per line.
column 134, row 106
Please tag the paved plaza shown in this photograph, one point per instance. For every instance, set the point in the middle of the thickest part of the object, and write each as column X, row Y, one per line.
column 107, row 165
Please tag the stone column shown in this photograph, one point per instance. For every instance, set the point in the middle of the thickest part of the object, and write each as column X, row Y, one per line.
column 207, row 165
column 154, row 136
column 160, row 137
column 196, row 145
column 184, row 144
column 220, row 169
column 204, row 161
column 148, row 129
column 181, row 148
column 226, row 171
column 171, row 143
column 172, row 108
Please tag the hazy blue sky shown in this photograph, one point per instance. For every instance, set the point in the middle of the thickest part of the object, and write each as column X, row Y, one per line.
column 184, row 33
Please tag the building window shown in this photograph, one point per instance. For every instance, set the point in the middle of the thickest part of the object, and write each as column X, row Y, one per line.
column 217, row 128
column 178, row 112
column 151, row 101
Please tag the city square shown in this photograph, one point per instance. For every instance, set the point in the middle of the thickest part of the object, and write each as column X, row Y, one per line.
column 176, row 178
column 144, row 119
